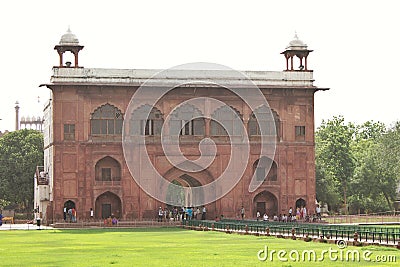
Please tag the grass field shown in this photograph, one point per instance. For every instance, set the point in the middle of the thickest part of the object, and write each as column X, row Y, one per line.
column 163, row 247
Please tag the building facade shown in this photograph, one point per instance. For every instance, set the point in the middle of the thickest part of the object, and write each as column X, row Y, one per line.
column 84, row 159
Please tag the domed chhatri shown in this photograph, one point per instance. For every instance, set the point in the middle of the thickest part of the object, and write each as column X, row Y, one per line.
column 68, row 42
column 296, row 44
column 69, row 38
column 296, row 48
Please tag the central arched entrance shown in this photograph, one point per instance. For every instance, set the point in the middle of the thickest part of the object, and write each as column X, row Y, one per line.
column 180, row 193
column 189, row 192
column 265, row 202
column 108, row 204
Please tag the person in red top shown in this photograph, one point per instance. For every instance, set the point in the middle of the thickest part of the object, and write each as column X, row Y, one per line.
column 73, row 215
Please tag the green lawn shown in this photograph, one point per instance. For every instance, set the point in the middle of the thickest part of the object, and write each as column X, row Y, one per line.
column 159, row 247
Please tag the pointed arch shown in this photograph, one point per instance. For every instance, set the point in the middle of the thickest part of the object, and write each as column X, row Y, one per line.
column 107, row 205
column 189, row 119
column 107, row 169
column 69, row 204
column 264, row 121
column 300, row 203
column 146, row 120
column 265, row 202
column 226, row 119
column 182, row 195
column 106, row 120
column 265, row 169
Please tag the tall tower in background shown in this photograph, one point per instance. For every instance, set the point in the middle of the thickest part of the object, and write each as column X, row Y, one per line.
column 16, row 116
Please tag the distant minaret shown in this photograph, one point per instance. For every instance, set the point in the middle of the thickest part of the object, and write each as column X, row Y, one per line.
column 16, row 116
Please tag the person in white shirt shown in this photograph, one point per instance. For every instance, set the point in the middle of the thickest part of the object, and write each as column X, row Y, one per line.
column 318, row 211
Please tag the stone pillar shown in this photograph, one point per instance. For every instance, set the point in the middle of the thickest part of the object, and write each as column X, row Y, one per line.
column 16, row 116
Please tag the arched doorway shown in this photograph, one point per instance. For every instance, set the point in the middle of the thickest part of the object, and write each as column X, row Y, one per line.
column 108, row 204
column 180, row 192
column 300, row 203
column 265, row 202
column 68, row 212
column 69, row 204
column 190, row 185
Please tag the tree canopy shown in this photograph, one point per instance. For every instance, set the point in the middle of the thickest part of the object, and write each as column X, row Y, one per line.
column 20, row 152
column 357, row 166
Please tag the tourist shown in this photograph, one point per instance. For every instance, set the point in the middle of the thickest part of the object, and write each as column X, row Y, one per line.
column 114, row 221
column 91, row 214
column 69, row 215
column 203, row 213
column 318, row 211
column 174, row 212
column 197, row 213
column 189, row 213
column 242, row 213
column 258, row 215
column 166, row 213
column 170, row 215
column 73, row 215
column 65, row 214
column 1, row 219
column 290, row 212
column 160, row 214
column 305, row 216
column 183, row 213
column 298, row 214
column 265, row 217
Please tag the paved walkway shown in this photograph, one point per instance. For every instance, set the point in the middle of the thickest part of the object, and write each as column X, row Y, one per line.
column 25, row 226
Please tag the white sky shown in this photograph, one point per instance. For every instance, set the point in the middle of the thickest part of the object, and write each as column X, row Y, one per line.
column 354, row 42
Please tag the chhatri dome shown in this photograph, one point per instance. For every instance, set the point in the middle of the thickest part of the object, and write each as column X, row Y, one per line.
column 68, row 42
column 296, row 44
column 69, row 38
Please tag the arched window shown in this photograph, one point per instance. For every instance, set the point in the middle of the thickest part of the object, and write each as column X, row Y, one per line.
column 226, row 120
column 261, row 166
column 188, row 120
column 146, row 120
column 106, row 120
column 107, row 169
column 268, row 123
column 153, row 124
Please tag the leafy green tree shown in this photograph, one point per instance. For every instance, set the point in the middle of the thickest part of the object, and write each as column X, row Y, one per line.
column 20, row 152
column 334, row 161
column 362, row 199
column 357, row 165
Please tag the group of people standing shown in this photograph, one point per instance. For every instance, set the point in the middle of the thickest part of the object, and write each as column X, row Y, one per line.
column 183, row 213
column 299, row 215
column 69, row 214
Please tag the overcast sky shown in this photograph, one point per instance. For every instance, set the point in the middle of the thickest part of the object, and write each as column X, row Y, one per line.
column 354, row 42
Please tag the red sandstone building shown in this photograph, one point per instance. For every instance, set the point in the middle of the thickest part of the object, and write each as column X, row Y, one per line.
column 84, row 160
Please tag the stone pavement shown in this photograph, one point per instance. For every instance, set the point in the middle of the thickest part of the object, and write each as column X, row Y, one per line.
column 25, row 226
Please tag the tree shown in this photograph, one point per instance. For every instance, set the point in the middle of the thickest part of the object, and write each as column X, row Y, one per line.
column 365, row 187
column 334, row 161
column 20, row 152
column 357, row 165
